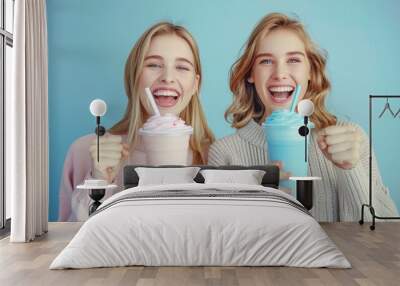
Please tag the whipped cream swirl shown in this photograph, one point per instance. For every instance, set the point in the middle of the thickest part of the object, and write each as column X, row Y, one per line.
column 167, row 123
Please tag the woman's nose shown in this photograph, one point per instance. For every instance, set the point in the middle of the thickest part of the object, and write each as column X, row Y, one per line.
column 167, row 75
column 280, row 71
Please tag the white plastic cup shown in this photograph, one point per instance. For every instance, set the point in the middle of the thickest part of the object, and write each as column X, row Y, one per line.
column 164, row 148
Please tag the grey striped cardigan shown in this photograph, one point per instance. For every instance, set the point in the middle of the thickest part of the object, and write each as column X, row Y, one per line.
column 340, row 193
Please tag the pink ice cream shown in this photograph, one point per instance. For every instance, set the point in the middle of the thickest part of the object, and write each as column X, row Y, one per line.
column 168, row 123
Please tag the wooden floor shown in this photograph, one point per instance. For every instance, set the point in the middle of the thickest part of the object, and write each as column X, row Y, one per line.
column 374, row 255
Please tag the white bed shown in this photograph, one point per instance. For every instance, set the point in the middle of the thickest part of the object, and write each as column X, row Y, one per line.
column 223, row 224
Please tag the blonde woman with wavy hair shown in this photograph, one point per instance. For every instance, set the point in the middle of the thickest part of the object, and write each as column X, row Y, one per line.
column 165, row 59
column 278, row 56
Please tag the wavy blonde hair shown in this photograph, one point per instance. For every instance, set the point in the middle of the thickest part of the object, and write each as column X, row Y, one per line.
column 247, row 104
column 135, row 113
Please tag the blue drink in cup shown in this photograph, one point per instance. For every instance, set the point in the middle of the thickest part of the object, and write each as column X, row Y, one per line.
column 285, row 144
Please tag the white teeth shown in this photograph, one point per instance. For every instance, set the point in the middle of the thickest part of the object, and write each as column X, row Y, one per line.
column 165, row 93
column 281, row 88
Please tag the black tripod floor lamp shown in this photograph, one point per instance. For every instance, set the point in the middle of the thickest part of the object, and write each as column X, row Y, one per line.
column 394, row 115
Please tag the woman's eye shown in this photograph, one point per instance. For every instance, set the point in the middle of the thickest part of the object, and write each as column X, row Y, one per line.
column 266, row 61
column 153, row 65
column 185, row 68
column 294, row 60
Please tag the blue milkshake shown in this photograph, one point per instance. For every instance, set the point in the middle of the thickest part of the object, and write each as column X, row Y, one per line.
column 284, row 142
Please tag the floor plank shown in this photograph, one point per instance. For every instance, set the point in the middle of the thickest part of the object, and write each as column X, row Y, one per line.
column 374, row 255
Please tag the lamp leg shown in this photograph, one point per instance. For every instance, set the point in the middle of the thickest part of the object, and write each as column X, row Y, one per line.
column 304, row 193
column 98, row 147
column 98, row 136
column 305, row 149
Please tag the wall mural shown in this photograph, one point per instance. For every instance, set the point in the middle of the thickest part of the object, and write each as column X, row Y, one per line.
column 275, row 103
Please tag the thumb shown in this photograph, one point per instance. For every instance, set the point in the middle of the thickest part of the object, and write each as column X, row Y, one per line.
column 125, row 151
column 322, row 144
column 279, row 164
column 321, row 139
column 110, row 174
column 324, row 151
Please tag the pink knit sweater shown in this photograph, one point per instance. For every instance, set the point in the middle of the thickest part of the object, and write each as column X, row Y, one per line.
column 78, row 166
column 74, row 203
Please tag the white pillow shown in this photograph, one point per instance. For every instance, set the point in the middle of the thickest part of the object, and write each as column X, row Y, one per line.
column 164, row 176
column 248, row 177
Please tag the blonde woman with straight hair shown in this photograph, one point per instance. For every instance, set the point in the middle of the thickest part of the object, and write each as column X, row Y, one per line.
column 165, row 59
column 279, row 55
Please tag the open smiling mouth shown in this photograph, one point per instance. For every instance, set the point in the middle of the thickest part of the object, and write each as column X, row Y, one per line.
column 166, row 98
column 281, row 94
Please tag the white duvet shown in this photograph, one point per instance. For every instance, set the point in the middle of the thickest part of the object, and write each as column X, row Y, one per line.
column 181, row 231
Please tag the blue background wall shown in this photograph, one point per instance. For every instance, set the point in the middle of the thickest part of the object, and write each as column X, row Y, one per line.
column 89, row 41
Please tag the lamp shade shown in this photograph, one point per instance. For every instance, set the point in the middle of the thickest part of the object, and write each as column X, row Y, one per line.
column 98, row 107
column 305, row 107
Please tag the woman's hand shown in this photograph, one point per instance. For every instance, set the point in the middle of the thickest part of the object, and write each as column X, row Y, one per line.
column 340, row 145
column 112, row 153
column 282, row 174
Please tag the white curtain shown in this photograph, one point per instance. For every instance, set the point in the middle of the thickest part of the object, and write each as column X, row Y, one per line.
column 27, row 124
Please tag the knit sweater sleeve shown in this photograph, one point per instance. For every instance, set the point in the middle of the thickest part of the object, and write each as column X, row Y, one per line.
column 353, row 187
column 218, row 154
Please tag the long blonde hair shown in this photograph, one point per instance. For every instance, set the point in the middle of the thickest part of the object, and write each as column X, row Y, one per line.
column 247, row 104
column 135, row 113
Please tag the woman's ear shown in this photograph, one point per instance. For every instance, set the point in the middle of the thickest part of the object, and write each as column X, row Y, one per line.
column 250, row 79
column 196, row 84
